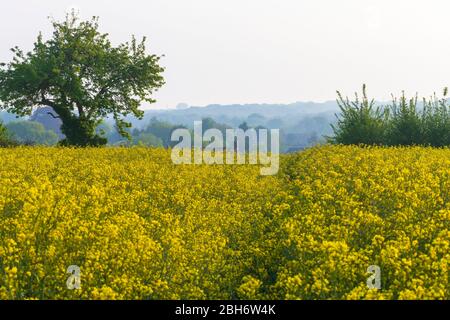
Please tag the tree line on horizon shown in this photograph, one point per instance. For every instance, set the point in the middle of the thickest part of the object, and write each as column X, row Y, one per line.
column 83, row 79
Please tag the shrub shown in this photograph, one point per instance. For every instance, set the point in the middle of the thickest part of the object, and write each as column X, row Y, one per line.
column 361, row 122
column 405, row 125
column 5, row 137
column 402, row 123
column 436, row 121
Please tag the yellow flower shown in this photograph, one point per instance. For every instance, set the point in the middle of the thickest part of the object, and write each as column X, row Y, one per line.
column 139, row 227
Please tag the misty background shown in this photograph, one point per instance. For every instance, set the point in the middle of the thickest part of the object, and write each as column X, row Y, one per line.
column 269, row 63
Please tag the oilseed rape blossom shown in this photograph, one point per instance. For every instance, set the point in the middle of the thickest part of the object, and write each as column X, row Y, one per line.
column 140, row 227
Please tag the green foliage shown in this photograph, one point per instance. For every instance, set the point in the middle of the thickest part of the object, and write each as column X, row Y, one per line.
column 83, row 78
column 4, row 136
column 32, row 133
column 402, row 123
column 147, row 139
column 162, row 130
column 3, row 131
column 436, row 121
column 361, row 122
column 405, row 126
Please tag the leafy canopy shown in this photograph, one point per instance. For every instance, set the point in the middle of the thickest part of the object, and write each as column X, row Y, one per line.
column 404, row 122
column 360, row 121
column 83, row 77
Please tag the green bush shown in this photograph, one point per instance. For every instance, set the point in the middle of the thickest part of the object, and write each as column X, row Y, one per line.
column 436, row 121
column 361, row 122
column 5, row 137
column 405, row 127
column 402, row 123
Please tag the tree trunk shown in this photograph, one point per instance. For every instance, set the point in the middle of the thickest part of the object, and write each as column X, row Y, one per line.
column 78, row 131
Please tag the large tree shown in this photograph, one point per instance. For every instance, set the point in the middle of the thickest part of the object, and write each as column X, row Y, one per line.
column 83, row 77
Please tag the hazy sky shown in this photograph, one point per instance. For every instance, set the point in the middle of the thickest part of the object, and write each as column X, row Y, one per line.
column 274, row 51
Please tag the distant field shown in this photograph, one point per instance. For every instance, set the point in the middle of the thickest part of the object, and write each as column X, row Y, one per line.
column 140, row 227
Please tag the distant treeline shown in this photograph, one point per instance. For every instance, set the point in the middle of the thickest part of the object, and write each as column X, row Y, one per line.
column 360, row 121
column 40, row 130
column 403, row 122
column 301, row 124
column 26, row 133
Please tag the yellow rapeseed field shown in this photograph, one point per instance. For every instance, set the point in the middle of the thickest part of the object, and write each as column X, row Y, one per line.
column 140, row 227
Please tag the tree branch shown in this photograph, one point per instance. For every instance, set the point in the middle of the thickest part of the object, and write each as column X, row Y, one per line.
column 80, row 110
column 53, row 116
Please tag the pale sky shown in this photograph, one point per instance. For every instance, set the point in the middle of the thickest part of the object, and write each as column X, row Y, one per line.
column 266, row 51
